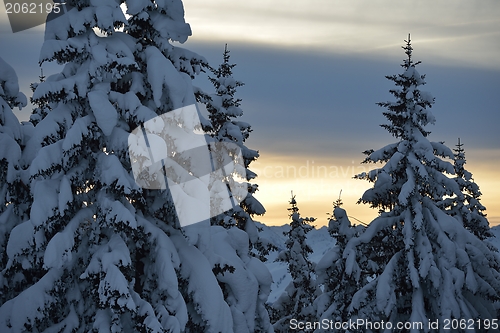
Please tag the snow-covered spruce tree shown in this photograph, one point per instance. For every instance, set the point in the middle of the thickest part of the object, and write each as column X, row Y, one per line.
column 222, row 109
column 12, row 189
column 108, row 255
column 338, row 287
column 468, row 210
column 431, row 266
column 223, row 113
column 81, row 220
column 296, row 302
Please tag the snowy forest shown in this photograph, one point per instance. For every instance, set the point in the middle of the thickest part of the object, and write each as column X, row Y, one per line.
column 84, row 248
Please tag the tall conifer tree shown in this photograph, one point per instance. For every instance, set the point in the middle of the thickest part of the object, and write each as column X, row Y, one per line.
column 224, row 110
column 430, row 266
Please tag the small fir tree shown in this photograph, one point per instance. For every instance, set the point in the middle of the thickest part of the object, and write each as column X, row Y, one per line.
column 468, row 210
column 297, row 300
column 338, row 287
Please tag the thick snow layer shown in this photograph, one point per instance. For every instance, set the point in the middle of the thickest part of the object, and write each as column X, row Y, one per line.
column 48, row 157
column 63, row 86
column 11, row 152
column 104, row 112
column 46, row 201
column 58, row 251
column 243, row 285
column 167, row 259
column 203, row 287
column 8, row 79
column 173, row 29
column 77, row 133
column 9, row 85
column 20, row 238
column 162, row 74
column 254, row 205
column 118, row 213
column 60, row 116
column 111, row 172
column 65, row 194
column 11, row 126
column 386, row 297
column 15, row 313
column 135, row 7
column 114, row 253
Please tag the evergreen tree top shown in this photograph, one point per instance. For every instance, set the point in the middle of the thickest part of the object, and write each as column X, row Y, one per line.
column 459, row 159
column 294, row 208
column 224, row 83
column 295, row 215
column 409, row 111
column 225, row 69
column 408, row 51
column 338, row 203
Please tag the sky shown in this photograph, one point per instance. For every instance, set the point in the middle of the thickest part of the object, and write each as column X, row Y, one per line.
column 313, row 71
